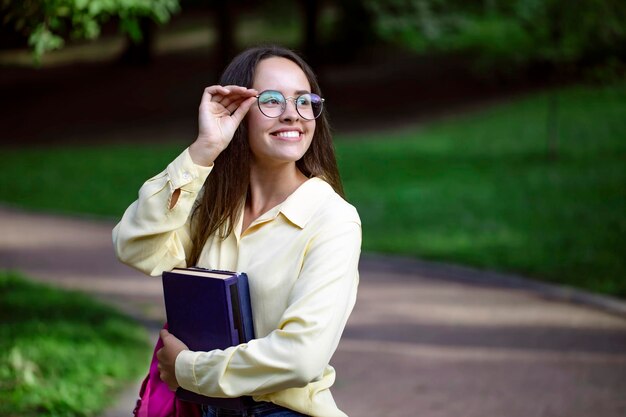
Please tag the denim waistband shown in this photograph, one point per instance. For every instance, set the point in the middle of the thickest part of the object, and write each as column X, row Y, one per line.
column 250, row 411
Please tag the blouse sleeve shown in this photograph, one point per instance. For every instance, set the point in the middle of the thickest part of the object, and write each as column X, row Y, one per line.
column 298, row 351
column 151, row 237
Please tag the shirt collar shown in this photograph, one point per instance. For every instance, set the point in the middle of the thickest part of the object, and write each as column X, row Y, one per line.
column 302, row 204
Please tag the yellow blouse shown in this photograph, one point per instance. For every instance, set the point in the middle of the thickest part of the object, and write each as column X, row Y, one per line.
column 301, row 258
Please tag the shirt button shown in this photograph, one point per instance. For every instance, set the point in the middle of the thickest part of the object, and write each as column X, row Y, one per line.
column 186, row 176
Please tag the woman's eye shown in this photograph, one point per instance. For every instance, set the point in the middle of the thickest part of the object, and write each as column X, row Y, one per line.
column 271, row 101
column 304, row 101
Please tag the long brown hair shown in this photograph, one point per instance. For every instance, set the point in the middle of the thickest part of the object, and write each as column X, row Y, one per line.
column 226, row 187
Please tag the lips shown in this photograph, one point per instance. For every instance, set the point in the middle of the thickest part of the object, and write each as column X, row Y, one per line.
column 287, row 134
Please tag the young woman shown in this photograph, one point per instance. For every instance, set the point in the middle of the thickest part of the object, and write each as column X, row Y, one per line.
column 259, row 192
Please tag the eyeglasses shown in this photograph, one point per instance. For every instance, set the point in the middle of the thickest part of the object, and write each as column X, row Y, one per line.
column 272, row 104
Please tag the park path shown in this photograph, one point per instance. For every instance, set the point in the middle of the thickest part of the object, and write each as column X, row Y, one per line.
column 424, row 339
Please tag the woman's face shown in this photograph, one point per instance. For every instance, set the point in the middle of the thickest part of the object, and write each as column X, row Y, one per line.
column 285, row 138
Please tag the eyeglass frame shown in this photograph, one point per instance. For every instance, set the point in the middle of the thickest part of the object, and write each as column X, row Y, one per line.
column 295, row 103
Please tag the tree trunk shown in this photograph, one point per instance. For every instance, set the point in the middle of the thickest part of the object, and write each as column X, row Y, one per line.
column 310, row 9
column 225, row 33
column 140, row 53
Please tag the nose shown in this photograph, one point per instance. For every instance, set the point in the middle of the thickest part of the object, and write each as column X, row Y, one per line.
column 290, row 113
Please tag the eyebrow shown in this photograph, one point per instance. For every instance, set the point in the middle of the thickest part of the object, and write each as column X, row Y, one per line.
column 297, row 92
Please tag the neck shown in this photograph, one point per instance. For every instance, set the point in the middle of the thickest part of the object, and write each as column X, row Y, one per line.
column 270, row 186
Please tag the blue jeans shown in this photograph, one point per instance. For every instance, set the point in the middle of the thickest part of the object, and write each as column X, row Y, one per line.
column 259, row 410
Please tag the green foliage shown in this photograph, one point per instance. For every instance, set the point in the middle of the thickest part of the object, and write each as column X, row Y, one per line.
column 61, row 353
column 47, row 23
column 513, row 31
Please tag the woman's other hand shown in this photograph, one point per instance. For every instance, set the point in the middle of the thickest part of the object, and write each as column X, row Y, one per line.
column 221, row 111
column 167, row 358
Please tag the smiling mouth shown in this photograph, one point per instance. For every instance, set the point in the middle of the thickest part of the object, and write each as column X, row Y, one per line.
column 289, row 134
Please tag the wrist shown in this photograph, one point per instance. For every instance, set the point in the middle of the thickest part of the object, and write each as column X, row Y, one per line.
column 201, row 154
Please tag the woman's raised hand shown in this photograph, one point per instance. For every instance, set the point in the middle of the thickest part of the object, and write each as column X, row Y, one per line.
column 221, row 111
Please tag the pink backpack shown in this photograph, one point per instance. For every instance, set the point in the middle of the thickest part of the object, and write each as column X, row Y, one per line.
column 156, row 399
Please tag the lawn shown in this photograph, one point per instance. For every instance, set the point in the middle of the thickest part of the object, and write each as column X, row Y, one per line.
column 478, row 189
column 62, row 353
column 481, row 190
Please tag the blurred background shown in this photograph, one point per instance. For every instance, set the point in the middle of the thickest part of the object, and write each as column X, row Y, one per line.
column 102, row 66
column 492, row 131
column 484, row 133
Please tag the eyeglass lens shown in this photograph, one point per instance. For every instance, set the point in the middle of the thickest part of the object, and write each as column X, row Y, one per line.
column 273, row 104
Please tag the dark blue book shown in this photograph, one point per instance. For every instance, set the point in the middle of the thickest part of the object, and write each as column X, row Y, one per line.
column 208, row 309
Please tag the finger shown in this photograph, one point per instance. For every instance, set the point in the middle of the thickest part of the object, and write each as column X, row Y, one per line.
column 234, row 105
column 241, row 111
column 230, row 89
column 250, row 92
column 219, row 93
column 163, row 376
column 163, row 334
column 229, row 100
column 217, row 89
column 238, row 93
column 214, row 92
column 231, row 109
column 236, row 90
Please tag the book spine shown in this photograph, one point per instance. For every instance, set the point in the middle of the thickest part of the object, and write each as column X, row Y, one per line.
column 246, row 307
column 235, row 314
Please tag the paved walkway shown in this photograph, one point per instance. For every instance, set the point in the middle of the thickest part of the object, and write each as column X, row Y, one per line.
column 424, row 339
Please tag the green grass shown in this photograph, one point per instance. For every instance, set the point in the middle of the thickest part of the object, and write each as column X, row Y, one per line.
column 98, row 180
column 61, row 353
column 478, row 189
column 481, row 190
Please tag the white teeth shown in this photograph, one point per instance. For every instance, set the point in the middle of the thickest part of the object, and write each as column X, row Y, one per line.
column 288, row 134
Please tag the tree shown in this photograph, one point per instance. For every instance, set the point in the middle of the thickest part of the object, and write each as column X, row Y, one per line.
column 554, row 35
column 514, row 32
column 49, row 23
